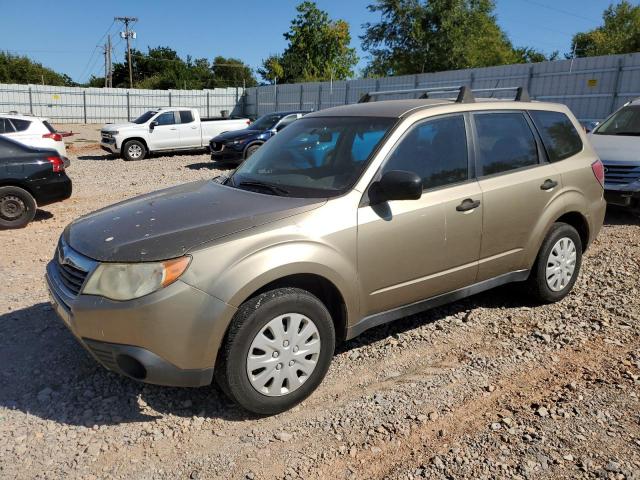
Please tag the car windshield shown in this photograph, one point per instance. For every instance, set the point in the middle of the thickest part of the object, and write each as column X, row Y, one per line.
column 624, row 122
column 265, row 122
column 314, row 157
column 144, row 118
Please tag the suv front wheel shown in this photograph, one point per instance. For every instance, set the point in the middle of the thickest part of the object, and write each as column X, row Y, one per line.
column 557, row 265
column 277, row 351
column 134, row 150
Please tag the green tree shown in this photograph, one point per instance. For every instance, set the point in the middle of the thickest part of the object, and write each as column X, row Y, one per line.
column 318, row 49
column 23, row 70
column 415, row 36
column 531, row 55
column 233, row 71
column 620, row 33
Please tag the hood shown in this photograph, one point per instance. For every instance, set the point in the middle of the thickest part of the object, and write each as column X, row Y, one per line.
column 237, row 135
column 111, row 127
column 616, row 148
column 168, row 223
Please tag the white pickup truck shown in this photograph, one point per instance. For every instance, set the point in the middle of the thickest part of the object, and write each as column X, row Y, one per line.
column 165, row 129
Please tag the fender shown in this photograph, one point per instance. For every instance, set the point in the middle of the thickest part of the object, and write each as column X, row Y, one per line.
column 251, row 144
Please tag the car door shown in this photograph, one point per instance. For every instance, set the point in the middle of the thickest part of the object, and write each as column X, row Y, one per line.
column 517, row 184
column 165, row 134
column 411, row 250
column 190, row 134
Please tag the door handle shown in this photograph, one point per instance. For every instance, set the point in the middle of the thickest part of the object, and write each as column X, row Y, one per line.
column 468, row 204
column 173, row 128
column 194, row 127
column 548, row 184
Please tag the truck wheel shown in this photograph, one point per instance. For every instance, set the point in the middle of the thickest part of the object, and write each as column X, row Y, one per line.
column 557, row 265
column 251, row 150
column 17, row 207
column 133, row 150
column 277, row 351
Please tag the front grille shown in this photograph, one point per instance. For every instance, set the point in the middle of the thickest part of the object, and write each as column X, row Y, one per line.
column 616, row 174
column 103, row 354
column 71, row 277
column 217, row 146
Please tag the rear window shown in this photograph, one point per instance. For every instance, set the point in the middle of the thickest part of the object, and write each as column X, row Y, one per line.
column 49, row 127
column 558, row 134
column 186, row 116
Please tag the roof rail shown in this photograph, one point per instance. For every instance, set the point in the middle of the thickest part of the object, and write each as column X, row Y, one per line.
column 465, row 93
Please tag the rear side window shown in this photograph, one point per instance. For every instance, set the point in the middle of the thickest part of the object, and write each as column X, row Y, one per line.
column 436, row 150
column 20, row 125
column 505, row 142
column 186, row 116
column 558, row 134
column 5, row 126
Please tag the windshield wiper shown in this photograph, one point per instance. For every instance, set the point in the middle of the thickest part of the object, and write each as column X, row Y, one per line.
column 266, row 186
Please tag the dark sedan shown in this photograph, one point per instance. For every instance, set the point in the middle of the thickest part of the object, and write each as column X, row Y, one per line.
column 238, row 145
column 29, row 178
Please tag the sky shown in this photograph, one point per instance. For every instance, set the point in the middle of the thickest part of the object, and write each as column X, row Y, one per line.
column 64, row 35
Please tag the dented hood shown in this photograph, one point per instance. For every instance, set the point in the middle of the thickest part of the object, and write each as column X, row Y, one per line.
column 168, row 223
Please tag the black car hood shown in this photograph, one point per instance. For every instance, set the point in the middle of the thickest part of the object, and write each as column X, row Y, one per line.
column 237, row 135
column 168, row 223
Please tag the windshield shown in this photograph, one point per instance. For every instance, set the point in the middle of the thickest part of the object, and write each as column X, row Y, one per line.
column 625, row 121
column 265, row 122
column 144, row 118
column 314, row 157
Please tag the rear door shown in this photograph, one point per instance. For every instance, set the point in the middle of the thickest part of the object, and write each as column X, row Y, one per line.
column 517, row 184
column 165, row 135
column 190, row 133
column 411, row 250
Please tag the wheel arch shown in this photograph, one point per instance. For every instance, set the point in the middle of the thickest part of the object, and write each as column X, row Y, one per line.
column 139, row 139
column 249, row 145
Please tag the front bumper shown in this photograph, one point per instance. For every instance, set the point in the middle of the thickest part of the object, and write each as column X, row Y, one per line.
column 228, row 153
column 625, row 195
column 109, row 144
column 169, row 337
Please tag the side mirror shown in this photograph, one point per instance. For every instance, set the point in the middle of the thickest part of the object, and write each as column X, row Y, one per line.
column 153, row 125
column 396, row 185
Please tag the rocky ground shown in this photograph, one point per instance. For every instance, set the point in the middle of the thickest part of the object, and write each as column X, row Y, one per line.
column 489, row 387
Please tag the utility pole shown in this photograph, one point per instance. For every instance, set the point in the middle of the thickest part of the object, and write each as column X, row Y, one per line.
column 109, row 64
column 128, row 34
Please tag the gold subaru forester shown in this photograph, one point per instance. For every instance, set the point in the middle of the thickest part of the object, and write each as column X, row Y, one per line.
column 349, row 218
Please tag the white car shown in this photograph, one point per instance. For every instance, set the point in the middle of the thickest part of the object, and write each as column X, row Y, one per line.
column 32, row 131
column 165, row 129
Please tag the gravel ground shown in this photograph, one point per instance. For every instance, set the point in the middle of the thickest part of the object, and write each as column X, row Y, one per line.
column 489, row 387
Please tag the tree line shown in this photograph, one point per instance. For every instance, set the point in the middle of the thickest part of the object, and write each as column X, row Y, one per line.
column 411, row 36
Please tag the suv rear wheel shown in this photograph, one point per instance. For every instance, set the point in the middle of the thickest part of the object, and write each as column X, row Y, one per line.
column 278, row 350
column 558, row 264
column 17, row 207
column 134, row 150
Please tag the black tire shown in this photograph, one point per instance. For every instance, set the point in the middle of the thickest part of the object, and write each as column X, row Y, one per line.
column 537, row 283
column 131, row 148
column 248, row 322
column 17, row 207
column 250, row 151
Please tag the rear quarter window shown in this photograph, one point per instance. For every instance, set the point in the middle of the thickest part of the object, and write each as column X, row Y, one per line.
column 560, row 138
column 20, row 125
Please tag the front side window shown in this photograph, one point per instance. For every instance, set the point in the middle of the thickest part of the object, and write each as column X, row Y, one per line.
column 558, row 134
column 436, row 150
column 314, row 157
column 145, row 117
column 505, row 142
column 625, row 121
column 167, row 118
column 186, row 116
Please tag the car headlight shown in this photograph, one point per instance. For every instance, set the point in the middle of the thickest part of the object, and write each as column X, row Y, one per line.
column 125, row 281
column 237, row 142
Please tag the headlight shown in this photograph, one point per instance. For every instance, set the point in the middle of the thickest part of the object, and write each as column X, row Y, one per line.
column 125, row 281
column 237, row 142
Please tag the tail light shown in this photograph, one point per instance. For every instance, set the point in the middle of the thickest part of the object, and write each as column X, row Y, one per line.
column 598, row 171
column 57, row 163
column 56, row 137
column 248, row 122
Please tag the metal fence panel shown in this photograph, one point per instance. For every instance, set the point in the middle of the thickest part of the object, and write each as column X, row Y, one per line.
column 592, row 87
column 100, row 105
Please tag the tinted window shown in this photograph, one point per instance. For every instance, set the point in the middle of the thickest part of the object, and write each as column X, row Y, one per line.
column 625, row 121
column 167, row 118
column 144, row 118
column 558, row 134
column 286, row 121
column 505, row 142
column 5, row 126
column 186, row 116
column 436, row 150
column 20, row 125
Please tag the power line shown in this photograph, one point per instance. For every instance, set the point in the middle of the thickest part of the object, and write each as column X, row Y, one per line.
column 560, row 10
column 95, row 49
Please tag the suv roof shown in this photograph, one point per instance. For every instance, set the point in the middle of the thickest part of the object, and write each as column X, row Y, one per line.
column 22, row 116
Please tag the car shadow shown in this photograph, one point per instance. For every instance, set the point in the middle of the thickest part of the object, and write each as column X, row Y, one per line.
column 621, row 216
column 42, row 215
column 47, row 373
column 105, row 156
column 211, row 166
